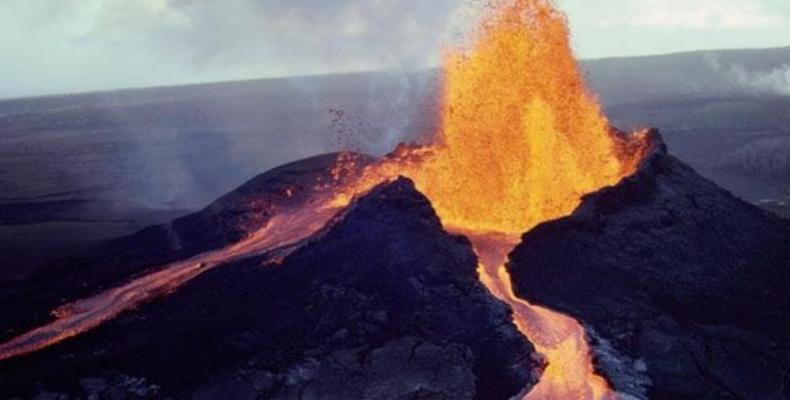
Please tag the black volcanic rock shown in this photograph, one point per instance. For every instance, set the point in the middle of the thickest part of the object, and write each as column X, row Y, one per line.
column 384, row 304
column 683, row 287
column 225, row 221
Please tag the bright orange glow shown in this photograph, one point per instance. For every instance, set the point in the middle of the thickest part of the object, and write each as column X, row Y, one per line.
column 281, row 235
column 559, row 338
column 521, row 142
column 521, row 139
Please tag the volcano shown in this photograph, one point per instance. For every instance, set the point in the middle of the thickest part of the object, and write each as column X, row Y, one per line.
column 383, row 304
column 669, row 274
column 681, row 283
column 529, row 250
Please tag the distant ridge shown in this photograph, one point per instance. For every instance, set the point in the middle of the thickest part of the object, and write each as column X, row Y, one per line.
column 769, row 54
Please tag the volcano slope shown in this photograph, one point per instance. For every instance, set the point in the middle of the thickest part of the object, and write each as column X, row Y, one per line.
column 227, row 220
column 683, row 287
column 382, row 304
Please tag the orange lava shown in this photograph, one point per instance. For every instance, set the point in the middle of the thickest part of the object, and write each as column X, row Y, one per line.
column 280, row 235
column 560, row 339
column 521, row 141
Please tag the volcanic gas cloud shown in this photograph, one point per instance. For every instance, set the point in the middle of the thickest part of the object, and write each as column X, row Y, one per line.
column 521, row 140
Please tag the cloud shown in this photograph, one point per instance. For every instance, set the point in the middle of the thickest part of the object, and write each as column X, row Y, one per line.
column 701, row 15
column 279, row 36
column 103, row 44
column 774, row 80
column 128, row 17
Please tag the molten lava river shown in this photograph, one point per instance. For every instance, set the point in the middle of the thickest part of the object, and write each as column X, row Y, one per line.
column 521, row 140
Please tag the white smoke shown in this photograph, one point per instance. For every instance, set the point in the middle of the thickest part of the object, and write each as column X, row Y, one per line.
column 776, row 81
column 735, row 76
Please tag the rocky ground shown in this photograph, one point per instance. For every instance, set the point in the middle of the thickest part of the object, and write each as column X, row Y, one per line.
column 224, row 221
column 683, row 287
column 383, row 305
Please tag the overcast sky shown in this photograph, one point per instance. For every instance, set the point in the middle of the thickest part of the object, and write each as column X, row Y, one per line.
column 57, row 46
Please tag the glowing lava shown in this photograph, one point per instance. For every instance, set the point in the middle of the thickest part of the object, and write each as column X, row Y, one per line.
column 281, row 234
column 559, row 338
column 521, row 141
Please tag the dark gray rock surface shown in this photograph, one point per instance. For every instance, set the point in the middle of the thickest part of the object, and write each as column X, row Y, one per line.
column 226, row 220
column 383, row 305
column 683, row 287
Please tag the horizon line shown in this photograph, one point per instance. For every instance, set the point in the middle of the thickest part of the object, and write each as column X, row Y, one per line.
column 126, row 89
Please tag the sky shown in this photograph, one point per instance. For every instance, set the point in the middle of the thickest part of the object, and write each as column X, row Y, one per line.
column 68, row 46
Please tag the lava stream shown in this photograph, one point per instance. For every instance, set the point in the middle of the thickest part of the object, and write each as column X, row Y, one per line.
column 560, row 339
column 284, row 231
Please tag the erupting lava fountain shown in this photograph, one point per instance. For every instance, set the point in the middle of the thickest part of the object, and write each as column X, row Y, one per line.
column 521, row 141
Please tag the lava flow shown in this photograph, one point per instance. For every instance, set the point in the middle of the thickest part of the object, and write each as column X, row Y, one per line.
column 559, row 338
column 281, row 234
column 521, row 140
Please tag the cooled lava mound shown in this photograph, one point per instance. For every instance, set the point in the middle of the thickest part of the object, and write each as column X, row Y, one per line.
column 682, row 285
column 227, row 220
column 382, row 304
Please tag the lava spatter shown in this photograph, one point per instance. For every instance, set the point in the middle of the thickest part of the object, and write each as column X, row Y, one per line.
column 521, row 141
